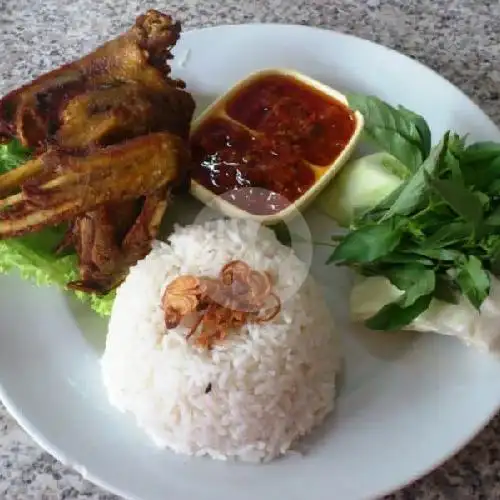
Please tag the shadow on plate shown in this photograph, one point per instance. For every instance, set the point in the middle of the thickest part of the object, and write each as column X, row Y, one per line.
column 93, row 327
column 385, row 345
column 182, row 210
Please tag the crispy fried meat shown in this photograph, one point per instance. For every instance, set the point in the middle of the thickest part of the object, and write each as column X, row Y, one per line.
column 109, row 132
column 140, row 56
column 69, row 186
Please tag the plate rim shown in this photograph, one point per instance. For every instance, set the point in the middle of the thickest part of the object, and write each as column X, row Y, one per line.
column 351, row 36
column 56, row 452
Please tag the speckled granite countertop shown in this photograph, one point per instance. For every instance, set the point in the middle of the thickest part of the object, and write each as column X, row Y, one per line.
column 458, row 38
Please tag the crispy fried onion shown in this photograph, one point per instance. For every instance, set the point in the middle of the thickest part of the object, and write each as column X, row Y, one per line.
column 212, row 307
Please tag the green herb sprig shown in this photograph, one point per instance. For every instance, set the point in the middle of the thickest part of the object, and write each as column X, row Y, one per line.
column 438, row 234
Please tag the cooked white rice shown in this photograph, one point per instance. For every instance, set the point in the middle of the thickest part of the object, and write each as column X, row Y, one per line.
column 270, row 383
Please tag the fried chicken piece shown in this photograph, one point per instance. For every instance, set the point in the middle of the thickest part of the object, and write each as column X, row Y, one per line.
column 140, row 55
column 108, row 116
column 105, row 253
column 98, row 249
column 13, row 179
column 109, row 133
column 68, row 186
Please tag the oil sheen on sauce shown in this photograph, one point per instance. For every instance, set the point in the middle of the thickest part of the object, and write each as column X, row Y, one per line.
column 275, row 138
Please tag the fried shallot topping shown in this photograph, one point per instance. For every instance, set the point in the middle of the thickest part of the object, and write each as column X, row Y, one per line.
column 212, row 307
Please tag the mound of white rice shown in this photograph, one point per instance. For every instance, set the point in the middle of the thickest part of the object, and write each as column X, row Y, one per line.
column 250, row 397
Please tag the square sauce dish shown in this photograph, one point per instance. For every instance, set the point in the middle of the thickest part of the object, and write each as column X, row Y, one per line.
column 267, row 147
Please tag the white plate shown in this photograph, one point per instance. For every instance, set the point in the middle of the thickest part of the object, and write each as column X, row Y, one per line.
column 407, row 401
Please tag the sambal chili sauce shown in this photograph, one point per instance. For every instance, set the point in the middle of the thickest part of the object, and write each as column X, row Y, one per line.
column 288, row 128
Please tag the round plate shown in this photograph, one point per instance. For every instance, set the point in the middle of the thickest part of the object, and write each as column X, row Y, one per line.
column 407, row 402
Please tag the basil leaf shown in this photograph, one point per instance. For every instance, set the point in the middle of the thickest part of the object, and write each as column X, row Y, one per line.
column 481, row 152
column 456, row 145
column 494, row 186
column 449, row 234
column 494, row 218
column 473, row 280
column 432, row 216
column 438, row 233
column 416, row 280
column 12, row 154
column 494, row 253
column 484, row 199
column 395, row 316
column 390, row 129
column 450, row 164
column 464, row 202
column 491, row 243
column 482, row 175
column 368, row 243
column 422, row 127
column 401, row 258
column 414, row 228
column 415, row 189
column 439, row 254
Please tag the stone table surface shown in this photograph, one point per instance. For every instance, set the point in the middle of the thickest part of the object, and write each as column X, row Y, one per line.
column 458, row 38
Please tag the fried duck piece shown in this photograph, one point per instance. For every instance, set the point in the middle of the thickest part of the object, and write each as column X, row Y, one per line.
column 119, row 92
column 105, row 252
column 32, row 112
column 107, row 116
column 68, row 186
column 115, row 200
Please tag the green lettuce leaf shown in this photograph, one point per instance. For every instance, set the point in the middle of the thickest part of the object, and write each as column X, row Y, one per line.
column 12, row 154
column 33, row 255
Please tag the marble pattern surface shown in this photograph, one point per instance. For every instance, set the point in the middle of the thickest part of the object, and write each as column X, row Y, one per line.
column 457, row 38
